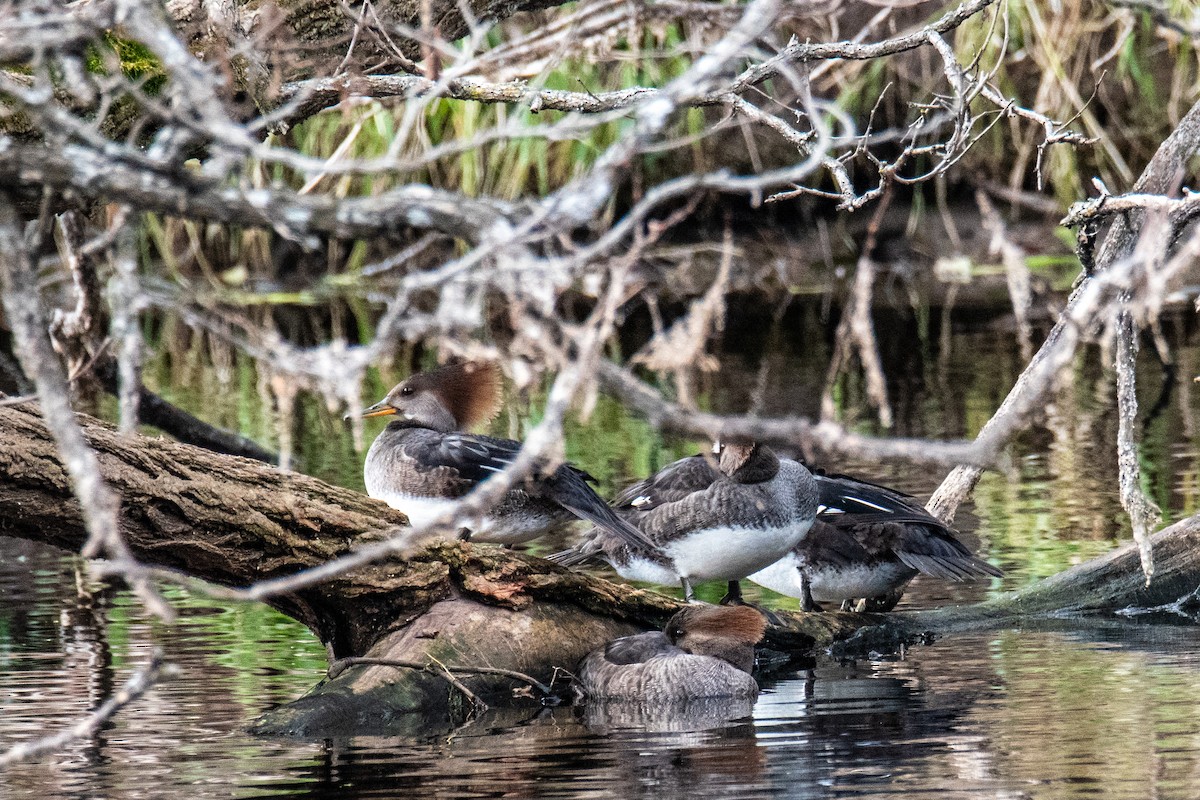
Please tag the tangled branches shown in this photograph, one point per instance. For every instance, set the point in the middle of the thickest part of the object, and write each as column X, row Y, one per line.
column 187, row 149
column 488, row 186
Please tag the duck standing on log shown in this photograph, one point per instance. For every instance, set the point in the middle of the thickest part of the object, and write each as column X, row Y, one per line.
column 868, row 542
column 704, row 652
column 707, row 522
column 423, row 462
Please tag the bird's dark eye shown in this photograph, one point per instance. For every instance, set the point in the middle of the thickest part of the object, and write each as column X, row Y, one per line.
column 406, row 391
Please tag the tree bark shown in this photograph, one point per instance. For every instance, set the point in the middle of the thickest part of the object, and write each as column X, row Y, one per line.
column 233, row 521
column 321, row 29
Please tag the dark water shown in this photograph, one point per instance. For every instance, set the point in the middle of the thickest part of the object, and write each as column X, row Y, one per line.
column 1079, row 709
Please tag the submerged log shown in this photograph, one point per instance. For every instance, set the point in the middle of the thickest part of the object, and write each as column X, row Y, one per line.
column 234, row 522
column 1111, row 583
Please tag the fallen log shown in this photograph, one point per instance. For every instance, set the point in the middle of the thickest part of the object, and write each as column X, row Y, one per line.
column 1111, row 583
column 451, row 605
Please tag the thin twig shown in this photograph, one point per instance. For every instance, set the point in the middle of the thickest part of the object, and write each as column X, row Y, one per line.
column 99, row 504
column 442, row 671
column 797, row 432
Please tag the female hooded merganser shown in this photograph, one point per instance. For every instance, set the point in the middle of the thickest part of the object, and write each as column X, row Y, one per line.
column 422, row 463
column 710, row 523
column 868, row 542
column 704, row 652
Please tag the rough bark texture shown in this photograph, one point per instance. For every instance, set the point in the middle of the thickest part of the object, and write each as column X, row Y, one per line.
column 321, row 29
column 234, row 521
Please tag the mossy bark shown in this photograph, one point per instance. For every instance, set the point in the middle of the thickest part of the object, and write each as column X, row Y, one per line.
column 234, row 521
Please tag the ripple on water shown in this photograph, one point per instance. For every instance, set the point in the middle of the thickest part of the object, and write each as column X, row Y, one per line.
column 1111, row 709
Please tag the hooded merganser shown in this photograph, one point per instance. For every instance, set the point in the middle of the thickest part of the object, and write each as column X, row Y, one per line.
column 704, row 652
column 868, row 542
column 421, row 463
column 707, row 522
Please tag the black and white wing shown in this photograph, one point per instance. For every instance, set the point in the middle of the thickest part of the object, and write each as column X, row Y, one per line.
column 477, row 458
column 673, row 482
column 882, row 519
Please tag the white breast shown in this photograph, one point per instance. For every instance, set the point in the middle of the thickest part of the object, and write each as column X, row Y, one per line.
column 419, row 510
column 829, row 585
column 511, row 529
column 730, row 553
column 646, row 571
column 783, row 577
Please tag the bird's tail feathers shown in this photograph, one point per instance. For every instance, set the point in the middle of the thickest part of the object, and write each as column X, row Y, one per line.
column 954, row 568
column 601, row 515
column 572, row 493
column 577, row 555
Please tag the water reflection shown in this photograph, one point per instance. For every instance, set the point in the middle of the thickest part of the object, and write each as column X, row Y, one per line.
column 702, row 714
column 1067, row 710
column 1062, row 711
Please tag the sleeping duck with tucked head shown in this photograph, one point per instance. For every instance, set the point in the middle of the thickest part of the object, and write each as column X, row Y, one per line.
column 703, row 652
column 423, row 461
column 867, row 543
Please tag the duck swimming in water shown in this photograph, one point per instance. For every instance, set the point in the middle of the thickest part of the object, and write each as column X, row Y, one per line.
column 422, row 462
column 868, row 542
column 704, row 652
column 709, row 521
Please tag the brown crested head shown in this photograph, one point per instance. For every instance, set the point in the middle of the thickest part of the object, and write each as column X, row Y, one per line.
column 471, row 390
column 747, row 461
column 454, row 397
column 734, row 455
column 742, row 624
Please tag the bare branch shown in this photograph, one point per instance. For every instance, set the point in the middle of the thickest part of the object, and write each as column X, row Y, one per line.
column 292, row 215
column 797, row 432
column 138, row 684
column 18, row 278
column 1094, row 290
column 1178, row 210
column 1143, row 513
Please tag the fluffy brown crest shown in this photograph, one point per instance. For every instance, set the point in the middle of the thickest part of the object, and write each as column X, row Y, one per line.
column 471, row 391
column 741, row 623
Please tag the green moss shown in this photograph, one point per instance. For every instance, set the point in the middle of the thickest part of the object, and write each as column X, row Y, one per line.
column 136, row 60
